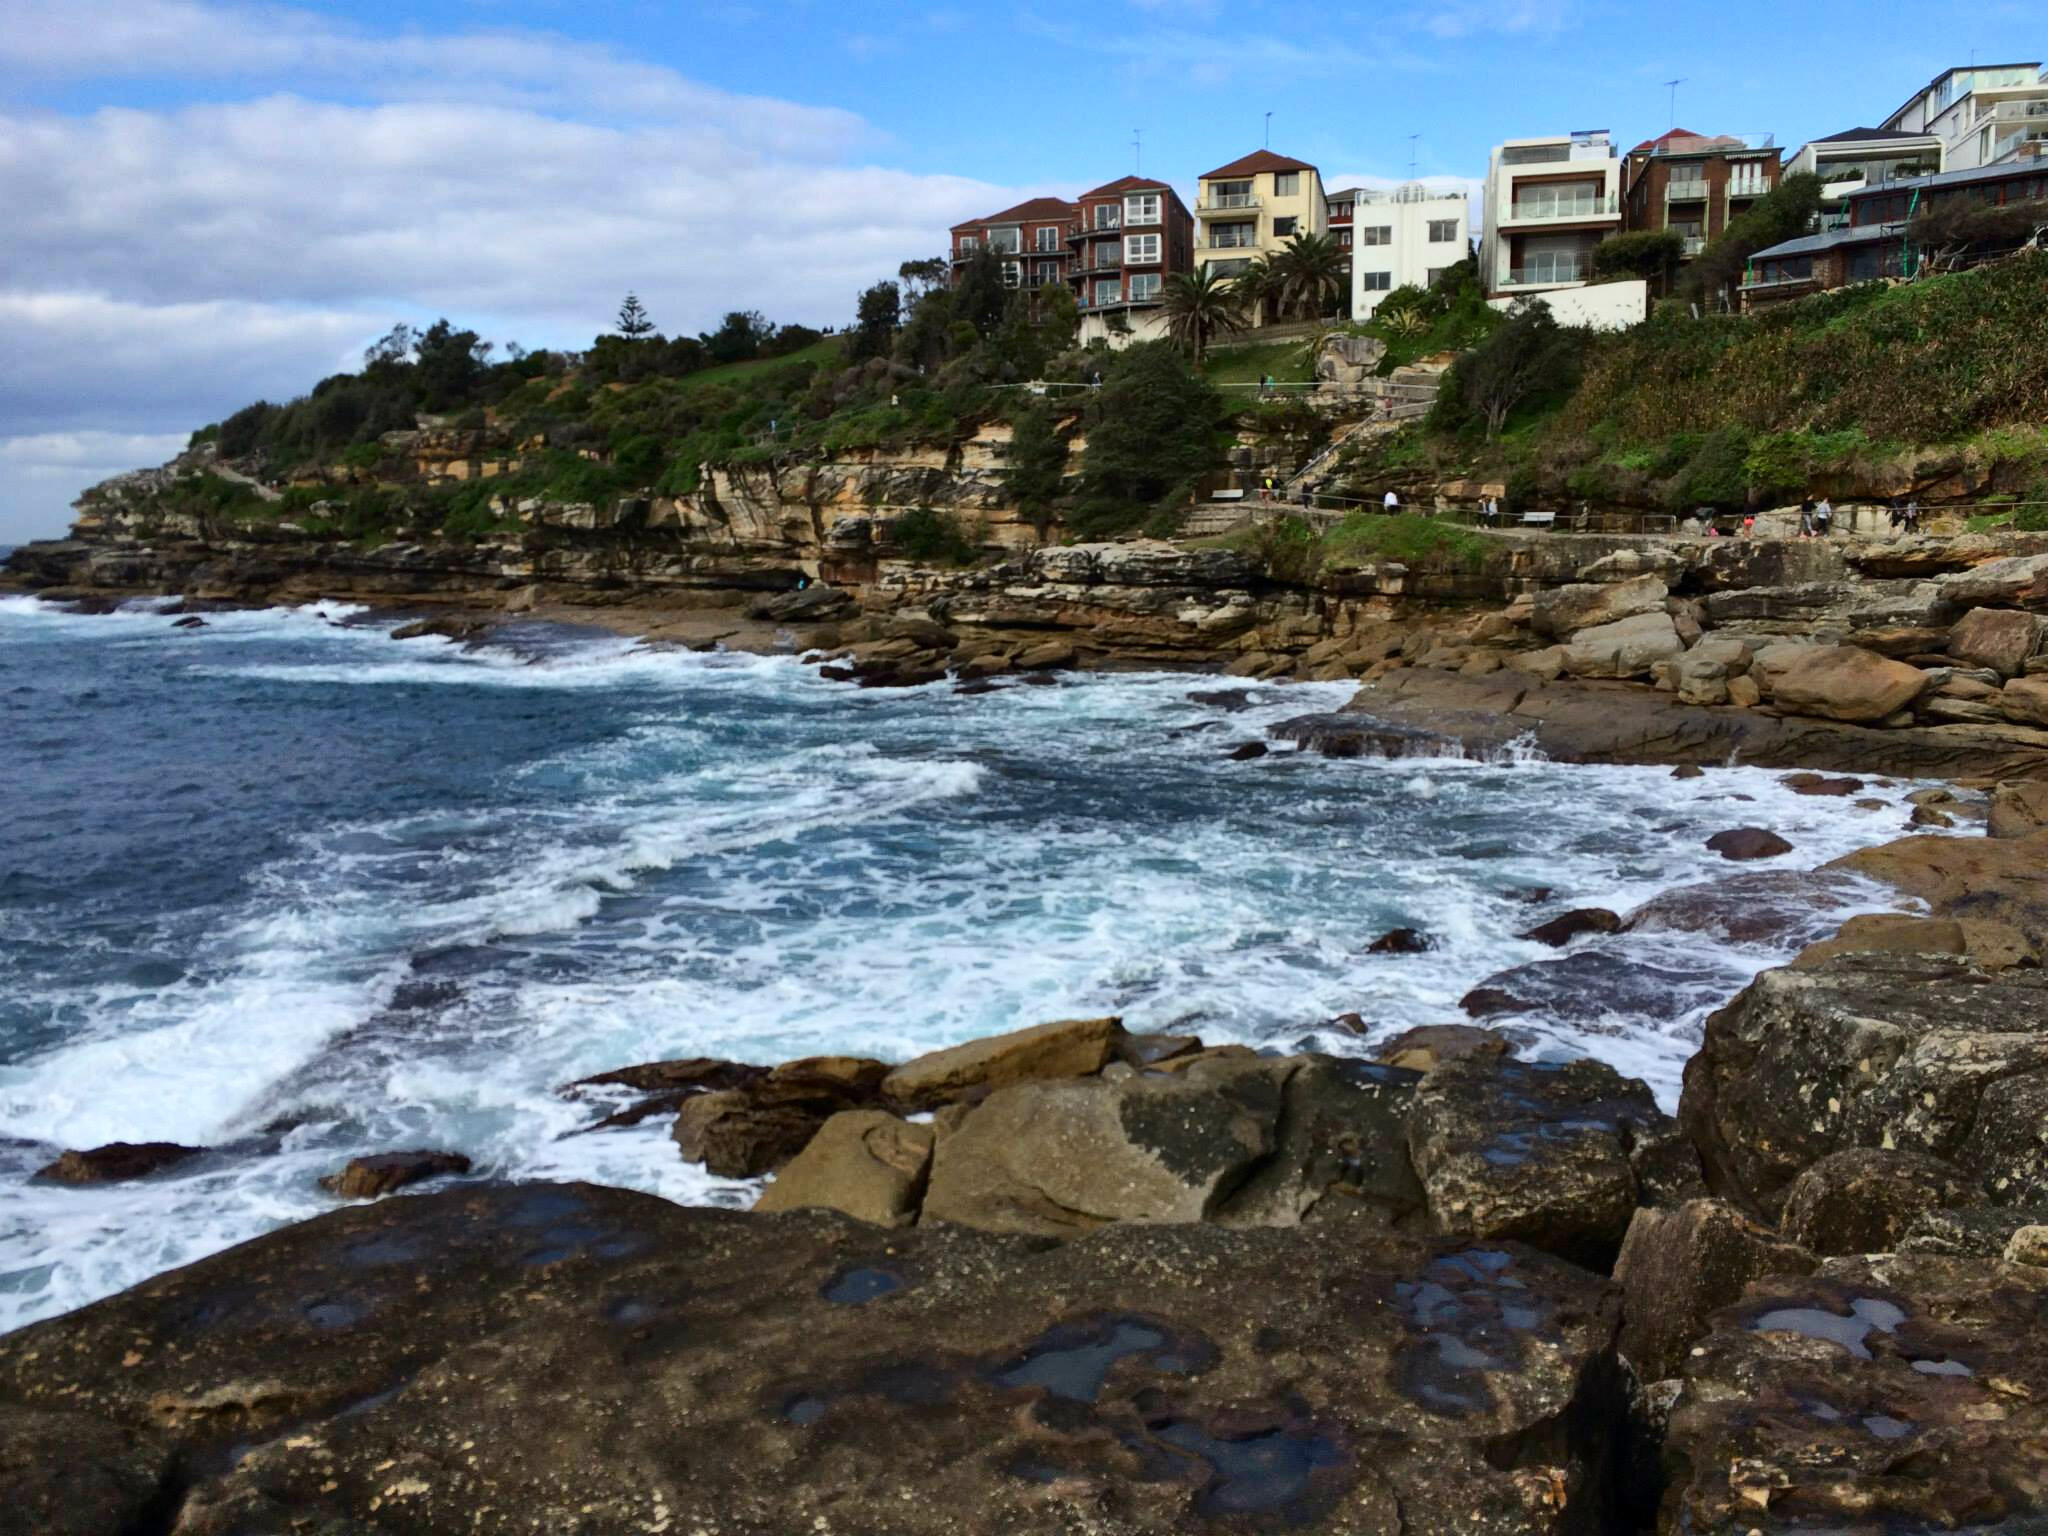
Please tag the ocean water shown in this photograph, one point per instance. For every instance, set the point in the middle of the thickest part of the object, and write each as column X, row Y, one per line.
column 289, row 890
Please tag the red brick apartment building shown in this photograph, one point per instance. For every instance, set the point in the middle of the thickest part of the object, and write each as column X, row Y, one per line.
column 1130, row 235
column 1032, row 240
column 1695, row 183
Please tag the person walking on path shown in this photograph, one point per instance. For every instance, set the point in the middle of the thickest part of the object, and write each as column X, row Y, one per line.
column 1806, row 518
column 1391, row 503
column 1824, row 517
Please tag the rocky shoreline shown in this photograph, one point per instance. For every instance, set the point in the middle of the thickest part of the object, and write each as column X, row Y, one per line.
column 1075, row 1278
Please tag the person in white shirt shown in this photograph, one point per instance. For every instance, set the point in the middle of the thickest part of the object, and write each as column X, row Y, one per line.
column 1393, row 502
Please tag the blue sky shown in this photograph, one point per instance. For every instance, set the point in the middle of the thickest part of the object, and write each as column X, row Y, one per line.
column 211, row 202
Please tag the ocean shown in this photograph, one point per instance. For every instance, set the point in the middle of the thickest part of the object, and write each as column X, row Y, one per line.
column 283, row 888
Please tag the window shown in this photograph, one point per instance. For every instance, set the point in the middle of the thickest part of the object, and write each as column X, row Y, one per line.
column 1284, row 228
column 1376, row 234
column 1287, row 183
column 1009, row 241
column 1233, row 236
column 1013, row 274
column 1232, row 194
column 969, row 244
column 1108, row 253
column 1141, row 208
column 1108, row 216
column 1141, row 248
column 1048, row 238
column 1436, row 275
column 1046, row 272
column 1145, row 285
column 1108, row 290
column 1339, row 211
column 1376, row 282
column 1442, row 231
column 1226, row 268
column 1344, row 239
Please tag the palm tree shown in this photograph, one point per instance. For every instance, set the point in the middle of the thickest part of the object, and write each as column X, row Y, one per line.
column 1198, row 306
column 1256, row 281
column 1310, row 272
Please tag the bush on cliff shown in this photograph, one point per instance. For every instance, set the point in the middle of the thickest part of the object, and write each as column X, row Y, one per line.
column 1154, row 429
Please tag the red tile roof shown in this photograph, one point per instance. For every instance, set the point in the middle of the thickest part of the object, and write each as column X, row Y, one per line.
column 1254, row 163
column 1128, row 184
column 1042, row 209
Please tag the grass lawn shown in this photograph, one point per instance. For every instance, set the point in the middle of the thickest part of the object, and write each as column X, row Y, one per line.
column 1287, row 361
column 822, row 351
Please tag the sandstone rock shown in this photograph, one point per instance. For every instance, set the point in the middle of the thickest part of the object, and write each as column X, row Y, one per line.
column 2028, row 1245
column 1999, row 638
column 2025, row 699
column 366, row 1178
column 1547, row 664
column 116, row 1162
column 1970, row 879
column 519, row 1359
column 2019, row 581
column 867, row 1163
column 1401, row 941
column 1688, row 771
column 1744, row 693
column 2019, row 808
column 663, row 1085
column 988, row 664
column 814, row 604
column 1247, row 751
column 1845, row 683
column 1774, row 907
column 1887, row 932
column 70, row 1474
column 1543, row 1153
column 1821, row 784
column 1560, row 931
column 741, row 1133
column 1877, row 1394
column 1864, row 1199
column 1680, row 1265
column 1899, row 643
column 450, row 627
column 1926, row 1053
column 1972, row 1231
column 1429, row 1046
column 1047, row 656
column 1069, row 1048
column 1564, row 611
column 1626, row 648
column 1243, row 1141
column 1743, row 843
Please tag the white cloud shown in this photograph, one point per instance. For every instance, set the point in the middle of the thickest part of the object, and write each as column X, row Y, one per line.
column 164, row 266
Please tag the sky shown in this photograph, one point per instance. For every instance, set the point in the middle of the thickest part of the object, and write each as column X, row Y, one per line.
column 203, row 203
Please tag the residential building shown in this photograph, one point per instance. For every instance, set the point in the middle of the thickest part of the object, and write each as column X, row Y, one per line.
column 1856, row 158
column 1129, row 236
column 1409, row 236
column 1987, row 114
column 1548, row 202
column 1252, row 207
column 1694, row 184
column 1337, row 211
column 1873, row 238
column 1032, row 240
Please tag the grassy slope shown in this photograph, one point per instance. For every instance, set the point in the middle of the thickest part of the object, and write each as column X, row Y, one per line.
column 1287, row 361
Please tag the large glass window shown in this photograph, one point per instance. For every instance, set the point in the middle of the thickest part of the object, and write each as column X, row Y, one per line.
column 1376, row 234
column 969, row 244
column 1233, row 236
column 1141, row 208
column 1108, row 216
column 1108, row 290
column 1443, row 231
column 1013, row 274
column 1141, row 248
column 1008, row 241
column 1283, row 229
column 1376, row 282
column 1232, row 194
column 1048, row 238
column 1145, row 285
column 1287, row 183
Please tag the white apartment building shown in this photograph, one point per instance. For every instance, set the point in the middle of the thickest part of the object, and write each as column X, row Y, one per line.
column 1987, row 114
column 1548, row 202
column 1411, row 235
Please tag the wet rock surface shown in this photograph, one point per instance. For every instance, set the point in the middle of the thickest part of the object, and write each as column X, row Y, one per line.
column 1865, row 1199
column 116, row 1162
column 1681, row 1264
column 527, row 1358
column 1899, row 1393
column 365, row 1178
column 71, row 1474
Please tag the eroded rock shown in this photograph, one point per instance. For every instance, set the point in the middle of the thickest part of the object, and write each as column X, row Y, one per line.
column 366, row 1178
column 1069, row 1048
column 1865, row 1199
column 1680, row 1265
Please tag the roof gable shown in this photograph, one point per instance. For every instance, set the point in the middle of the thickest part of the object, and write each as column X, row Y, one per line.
column 1256, row 163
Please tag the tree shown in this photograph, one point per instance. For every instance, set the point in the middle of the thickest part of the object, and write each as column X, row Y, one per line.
column 1255, row 282
column 876, row 319
column 1959, row 229
column 980, row 296
column 1529, row 356
column 1650, row 254
column 633, row 320
column 921, row 277
column 1783, row 213
column 740, row 336
column 394, row 346
column 1309, row 274
column 1200, row 306
column 1154, row 428
column 1036, row 463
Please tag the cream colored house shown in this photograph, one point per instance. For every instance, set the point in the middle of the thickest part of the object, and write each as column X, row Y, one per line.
column 1253, row 207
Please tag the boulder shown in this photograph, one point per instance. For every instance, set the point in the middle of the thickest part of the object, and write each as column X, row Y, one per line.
column 1878, row 1394
column 2001, row 639
column 1972, row 879
column 1046, row 656
column 1971, row 1231
column 1560, row 931
column 1546, row 664
column 1627, row 648
column 2025, row 700
column 71, row 1474
column 1429, row 1046
column 1821, row 784
column 661, row 1086
column 1864, row 1199
column 1775, row 907
column 2019, row 808
column 2019, row 581
column 1068, row 1048
column 1888, row 932
column 865, row 1162
column 1846, row 683
column 1247, row 752
column 366, row 1178
column 116, row 1162
column 1926, row 1053
column 515, row 1359
column 1564, row 611
column 1700, row 676
column 1401, row 941
column 1557, row 1155
column 1678, row 1266
column 744, row 1132
column 1243, row 1141
column 2028, row 1245
column 1744, row 843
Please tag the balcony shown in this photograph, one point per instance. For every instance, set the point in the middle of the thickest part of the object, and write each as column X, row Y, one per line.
column 1691, row 189
column 1247, row 244
column 2013, row 112
column 1223, row 202
column 1548, row 275
column 1747, row 187
column 1694, row 244
column 1556, row 210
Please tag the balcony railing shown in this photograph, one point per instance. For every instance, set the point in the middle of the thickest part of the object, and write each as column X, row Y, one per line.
column 1547, row 276
column 2013, row 112
column 1694, row 244
column 1231, row 245
column 1692, row 189
column 1748, row 187
column 1551, row 209
column 1217, row 202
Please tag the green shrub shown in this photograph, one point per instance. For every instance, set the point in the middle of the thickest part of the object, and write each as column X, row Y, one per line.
column 933, row 537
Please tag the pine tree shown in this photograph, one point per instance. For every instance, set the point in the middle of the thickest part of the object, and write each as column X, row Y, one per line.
column 633, row 320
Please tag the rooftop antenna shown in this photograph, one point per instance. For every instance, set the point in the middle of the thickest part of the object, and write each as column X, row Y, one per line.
column 1411, row 154
column 1672, row 86
column 1269, row 130
column 1137, row 151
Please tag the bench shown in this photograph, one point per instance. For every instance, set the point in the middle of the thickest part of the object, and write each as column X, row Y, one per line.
column 1538, row 519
